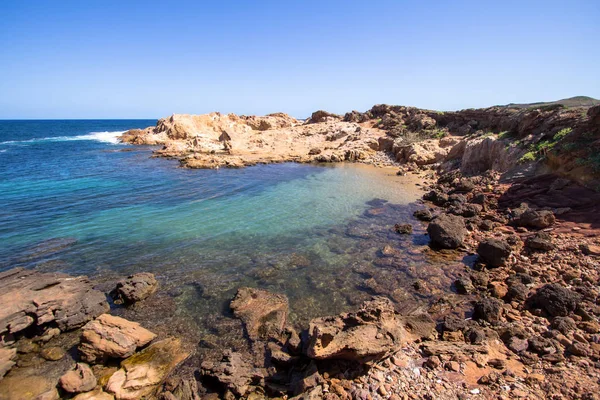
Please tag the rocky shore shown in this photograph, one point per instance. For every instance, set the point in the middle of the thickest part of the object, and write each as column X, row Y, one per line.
column 511, row 192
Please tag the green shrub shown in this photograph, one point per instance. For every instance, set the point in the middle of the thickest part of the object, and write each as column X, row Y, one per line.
column 528, row 157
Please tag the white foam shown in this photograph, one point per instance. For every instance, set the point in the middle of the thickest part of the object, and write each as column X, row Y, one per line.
column 105, row 137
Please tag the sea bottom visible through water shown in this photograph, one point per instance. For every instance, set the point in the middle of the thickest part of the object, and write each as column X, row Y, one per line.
column 320, row 234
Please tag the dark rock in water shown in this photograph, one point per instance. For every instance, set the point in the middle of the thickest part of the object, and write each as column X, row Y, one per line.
column 48, row 248
column 541, row 241
column 464, row 285
column 447, row 231
column 534, row 219
column 404, row 229
column 31, row 298
column 423, row 215
column 488, row 309
column 436, row 197
column 371, row 333
column 233, row 373
column 494, row 252
column 142, row 374
column 263, row 313
column 135, row 288
column 555, row 300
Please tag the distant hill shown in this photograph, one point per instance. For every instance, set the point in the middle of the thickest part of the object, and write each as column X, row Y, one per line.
column 577, row 101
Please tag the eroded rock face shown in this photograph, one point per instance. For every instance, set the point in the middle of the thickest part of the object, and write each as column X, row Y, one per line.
column 141, row 374
column 263, row 313
column 136, row 287
column 233, row 373
column 80, row 379
column 368, row 334
column 34, row 298
column 447, row 231
column 112, row 337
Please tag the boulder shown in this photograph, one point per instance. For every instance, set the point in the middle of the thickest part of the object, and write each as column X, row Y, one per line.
column 80, row 379
column 322, row 116
column 403, row 229
column 541, row 241
column 31, row 298
column 112, row 337
column 135, row 288
column 555, row 300
column 96, row 394
column 447, row 231
column 535, row 219
column 143, row 373
column 436, row 197
column 488, row 309
column 371, row 333
column 263, row 313
column 494, row 252
column 233, row 373
column 423, row 215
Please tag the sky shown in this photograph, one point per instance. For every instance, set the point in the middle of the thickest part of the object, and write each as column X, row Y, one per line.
column 146, row 59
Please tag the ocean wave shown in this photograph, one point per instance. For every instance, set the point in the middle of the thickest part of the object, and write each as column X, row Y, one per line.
column 105, row 137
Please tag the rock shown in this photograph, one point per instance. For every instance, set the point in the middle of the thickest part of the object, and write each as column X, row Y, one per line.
column 34, row 298
column 590, row 249
column 471, row 210
column 7, row 356
column 28, row 386
column 494, row 252
column 322, row 116
column 52, row 353
column 535, row 219
column 135, row 288
column 517, row 292
column 540, row 345
column 447, row 231
column 96, row 394
column 370, row 333
column 498, row 289
column 465, row 185
column 436, row 197
column 486, row 225
column 541, row 241
column 453, row 323
column 517, row 344
column 579, row 349
column 112, row 337
column 488, row 309
column 80, row 379
column 423, row 215
column 565, row 325
column 142, row 374
column 464, row 285
column 555, row 300
column 403, row 229
column 232, row 373
column 263, row 313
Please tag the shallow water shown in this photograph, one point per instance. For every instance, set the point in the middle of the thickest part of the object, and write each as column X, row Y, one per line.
column 76, row 201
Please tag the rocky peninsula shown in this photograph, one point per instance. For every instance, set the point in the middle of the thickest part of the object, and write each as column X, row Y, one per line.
column 511, row 192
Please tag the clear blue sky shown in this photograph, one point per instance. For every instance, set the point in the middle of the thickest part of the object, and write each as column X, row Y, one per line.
column 122, row 59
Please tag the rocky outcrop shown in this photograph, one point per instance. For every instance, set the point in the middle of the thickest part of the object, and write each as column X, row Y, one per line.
column 141, row 375
column 447, row 231
column 263, row 313
column 80, row 379
column 112, row 337
column 370, row 333
column 487, row 153
column 31, row 298
column 136, row 287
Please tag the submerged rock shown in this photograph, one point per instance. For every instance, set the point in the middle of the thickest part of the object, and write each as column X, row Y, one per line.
column 33, row 298
column 368, row 334
column 142, row 373
column 263, row 313
column 447, row 231
column 136, row 287
column 112, row 337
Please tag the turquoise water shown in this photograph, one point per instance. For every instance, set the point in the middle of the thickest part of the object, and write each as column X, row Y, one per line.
column 75, row 200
